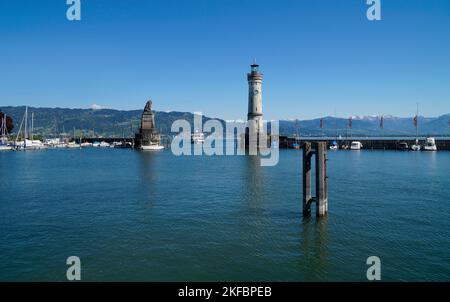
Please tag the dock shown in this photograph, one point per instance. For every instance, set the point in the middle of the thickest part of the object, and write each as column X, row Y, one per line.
column 374, row 143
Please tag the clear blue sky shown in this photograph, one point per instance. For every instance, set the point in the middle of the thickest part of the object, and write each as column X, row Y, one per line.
column 316, row 55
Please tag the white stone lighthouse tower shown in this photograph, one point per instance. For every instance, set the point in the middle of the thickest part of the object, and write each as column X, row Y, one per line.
column 255, row 97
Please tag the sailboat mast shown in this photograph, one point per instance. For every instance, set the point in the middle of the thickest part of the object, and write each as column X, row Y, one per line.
column 32, row 124
column 3, row 127
column 335, row 125
column 26, row 123
column 18, row 133
column 417, row 122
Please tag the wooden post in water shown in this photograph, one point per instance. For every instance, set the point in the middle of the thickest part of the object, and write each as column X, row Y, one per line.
column 307, row 154
column 321, row 196
column 321, row 179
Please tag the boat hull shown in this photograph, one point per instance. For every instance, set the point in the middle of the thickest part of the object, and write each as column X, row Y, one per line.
column 430, row 148
column 151, row 148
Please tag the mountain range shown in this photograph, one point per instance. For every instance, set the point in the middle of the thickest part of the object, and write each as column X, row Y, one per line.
column 50, row 122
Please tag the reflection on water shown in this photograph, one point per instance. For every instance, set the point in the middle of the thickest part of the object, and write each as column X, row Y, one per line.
column 432, row 161
column 146, row 167
column 257, row 198
column 147, row 176
column 254, row 183
column 314, row 248
column 252, row 204
column 143, row 216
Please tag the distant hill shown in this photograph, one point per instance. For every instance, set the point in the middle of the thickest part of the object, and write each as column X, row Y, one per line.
column 115, row 123
column 369, row 126
column 50, row 122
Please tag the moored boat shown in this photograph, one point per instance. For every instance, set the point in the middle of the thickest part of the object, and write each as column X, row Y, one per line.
column 30, row 145
column 151, row 147
column 403, row 146
column 198, row 138
column 416, row 146
column 73, row 145
column 6, row 147
column 104, row 144
column 334, row 146
column 356, row 146
column 430, row 144
column 26, row 143
column 85, row 145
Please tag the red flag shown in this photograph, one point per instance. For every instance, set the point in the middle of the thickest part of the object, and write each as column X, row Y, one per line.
column 415, row 121
column 350, row 124
column 382, row 122
column 321, row 123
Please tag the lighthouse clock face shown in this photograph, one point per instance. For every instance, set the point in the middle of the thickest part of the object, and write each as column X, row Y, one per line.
column 255, row 92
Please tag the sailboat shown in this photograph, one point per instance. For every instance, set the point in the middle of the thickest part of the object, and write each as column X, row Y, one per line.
column 416, row 146
column 4, row 136
column 74, row 144
column 28, row 143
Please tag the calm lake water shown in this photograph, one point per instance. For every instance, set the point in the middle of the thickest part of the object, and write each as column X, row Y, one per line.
column 133, row 216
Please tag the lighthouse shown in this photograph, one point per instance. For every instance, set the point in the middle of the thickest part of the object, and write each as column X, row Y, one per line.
column 254, row 79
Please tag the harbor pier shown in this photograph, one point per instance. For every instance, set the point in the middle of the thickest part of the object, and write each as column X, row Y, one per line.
column 369, row 143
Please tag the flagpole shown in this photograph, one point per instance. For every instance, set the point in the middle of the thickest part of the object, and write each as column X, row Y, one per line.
column 382, row 132
column 417, row 122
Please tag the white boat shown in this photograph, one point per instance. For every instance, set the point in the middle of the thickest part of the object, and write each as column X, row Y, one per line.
column 26, row 143
column 86, row 145
column 198, row 137
column 60, row 145
column 30, row 145
column 55, row 143
column 356, row 146
column 4, row 147
column 430, row 144
column 334, row 146
column 104, row 145
column 416, row 146
column 151, row 147
column 73, row 145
